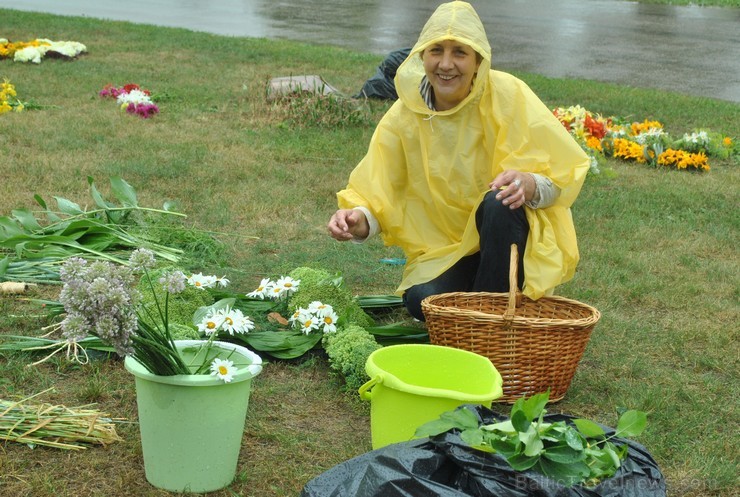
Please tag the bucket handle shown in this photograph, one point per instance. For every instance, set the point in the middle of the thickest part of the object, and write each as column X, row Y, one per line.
column 364, row 390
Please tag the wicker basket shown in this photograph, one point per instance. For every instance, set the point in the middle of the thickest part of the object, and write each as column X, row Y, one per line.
column 534, row 344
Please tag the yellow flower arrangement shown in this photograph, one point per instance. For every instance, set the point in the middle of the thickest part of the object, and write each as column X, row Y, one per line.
column 628, row 150
column 681, row 159
column 8, row 49
column 8, row 98
column 638, row 128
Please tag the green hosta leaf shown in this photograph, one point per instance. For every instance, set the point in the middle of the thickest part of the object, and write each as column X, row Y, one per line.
column 4, row 264
column 279, row 344
column 26, row 219
column 588, row 428
column 68, row 207
column 202, row 312
column 631, row 423
column 124, row 192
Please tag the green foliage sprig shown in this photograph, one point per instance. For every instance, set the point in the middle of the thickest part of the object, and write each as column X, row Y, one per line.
column 39, row 246
column 581, row 453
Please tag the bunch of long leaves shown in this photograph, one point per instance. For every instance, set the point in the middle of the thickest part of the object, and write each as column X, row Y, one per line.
column 36, row 247
column 580, row 453
column 55, row 426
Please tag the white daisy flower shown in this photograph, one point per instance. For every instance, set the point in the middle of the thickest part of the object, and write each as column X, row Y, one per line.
column 317, row 306
column 243, row 324
column 308, row 323
column 329, row 322
column 287, row 285
column 224, row 369
column 263, row 290
column 297, row 315
column 222, row 281
column 198, row 280
column 323, row 310
column 275, row 292
column 234, row 321
column 211, row 323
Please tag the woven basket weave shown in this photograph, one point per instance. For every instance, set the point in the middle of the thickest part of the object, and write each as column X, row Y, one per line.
column 534, row 344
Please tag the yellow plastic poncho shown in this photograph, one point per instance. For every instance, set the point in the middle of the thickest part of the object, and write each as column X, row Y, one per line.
column 426, row 172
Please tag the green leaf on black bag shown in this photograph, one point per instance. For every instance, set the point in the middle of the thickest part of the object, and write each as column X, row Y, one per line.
column 631, row 423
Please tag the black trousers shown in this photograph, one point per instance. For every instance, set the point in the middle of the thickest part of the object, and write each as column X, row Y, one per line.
column 484, row 271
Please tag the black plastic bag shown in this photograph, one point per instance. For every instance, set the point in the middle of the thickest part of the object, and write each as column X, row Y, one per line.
column 445, row 466
column 381, row 85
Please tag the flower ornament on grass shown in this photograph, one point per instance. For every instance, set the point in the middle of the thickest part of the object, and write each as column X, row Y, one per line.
column 318, row 316
column 643, row 142
column 132, row 99
column 35, row 50
column 225, row 319
column 275, row 290
column 224, row 369
column 8, row 98
column 263, row 290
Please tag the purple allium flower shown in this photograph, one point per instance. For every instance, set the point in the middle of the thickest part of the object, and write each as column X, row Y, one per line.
column 141, row 259
column 173, row 282
column 99, row 299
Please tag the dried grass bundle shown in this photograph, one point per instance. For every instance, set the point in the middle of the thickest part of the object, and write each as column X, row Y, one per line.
column 56, row 426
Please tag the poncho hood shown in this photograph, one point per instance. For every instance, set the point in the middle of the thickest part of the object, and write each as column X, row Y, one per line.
column 451, row 21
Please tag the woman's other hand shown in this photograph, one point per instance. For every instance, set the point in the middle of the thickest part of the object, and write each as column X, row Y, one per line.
column 347, row 224
column 514, row 188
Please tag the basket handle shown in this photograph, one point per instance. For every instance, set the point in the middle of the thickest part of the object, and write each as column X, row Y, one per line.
column 515, row 297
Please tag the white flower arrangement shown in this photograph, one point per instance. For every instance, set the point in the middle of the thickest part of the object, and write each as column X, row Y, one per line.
column 275, row 290
column 201, row 281
column 34, row 54
column 317, row 317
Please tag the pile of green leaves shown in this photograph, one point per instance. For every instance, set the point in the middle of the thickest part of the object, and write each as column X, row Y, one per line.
column 579, row 453
column 37, row 247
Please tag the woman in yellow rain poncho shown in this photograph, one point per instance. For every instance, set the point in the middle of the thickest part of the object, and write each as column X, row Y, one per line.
column 465, row 163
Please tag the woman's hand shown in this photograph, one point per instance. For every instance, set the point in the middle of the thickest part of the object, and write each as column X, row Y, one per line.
column 514, row 188
column 347, row 224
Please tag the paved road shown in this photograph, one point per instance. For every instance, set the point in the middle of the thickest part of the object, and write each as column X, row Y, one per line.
column 692, row 50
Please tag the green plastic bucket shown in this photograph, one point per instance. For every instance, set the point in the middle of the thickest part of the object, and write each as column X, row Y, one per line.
column 192, row 425
column 415, row 383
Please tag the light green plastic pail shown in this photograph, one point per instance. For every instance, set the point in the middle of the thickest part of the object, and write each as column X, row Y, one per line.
column 415, row 383
column 192, row 425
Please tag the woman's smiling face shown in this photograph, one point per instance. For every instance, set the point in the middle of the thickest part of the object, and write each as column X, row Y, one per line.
column 450, row 67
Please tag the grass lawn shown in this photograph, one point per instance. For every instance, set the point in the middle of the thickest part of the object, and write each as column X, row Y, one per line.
column 257, row 180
